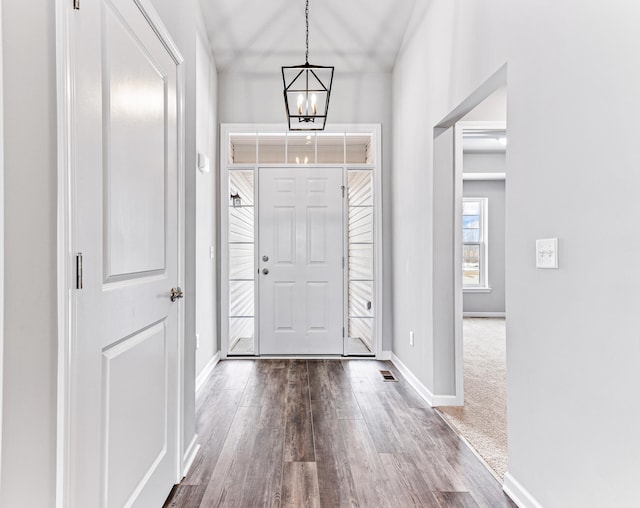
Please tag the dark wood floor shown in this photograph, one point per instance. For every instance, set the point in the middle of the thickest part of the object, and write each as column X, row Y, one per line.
column 327, row 433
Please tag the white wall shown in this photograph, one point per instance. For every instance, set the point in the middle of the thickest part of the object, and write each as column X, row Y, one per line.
column 572, row 332
column 355, row 98
column 206, row 203
column 30, row 327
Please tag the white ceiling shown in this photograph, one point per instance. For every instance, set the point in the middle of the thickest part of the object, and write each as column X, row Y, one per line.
column 263, row 35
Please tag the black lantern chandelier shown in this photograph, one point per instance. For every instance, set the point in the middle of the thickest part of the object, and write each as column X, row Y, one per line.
column 306, row 92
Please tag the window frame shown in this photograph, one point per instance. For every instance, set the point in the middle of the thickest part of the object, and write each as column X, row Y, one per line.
column 483, row 244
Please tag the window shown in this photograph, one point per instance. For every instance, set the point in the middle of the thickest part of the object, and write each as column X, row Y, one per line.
column 474, row 238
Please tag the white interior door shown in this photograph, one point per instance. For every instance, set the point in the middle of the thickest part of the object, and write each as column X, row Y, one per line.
column 124, row 413
column 301, row 261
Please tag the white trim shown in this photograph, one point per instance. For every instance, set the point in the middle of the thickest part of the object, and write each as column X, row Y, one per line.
column 476, row 290
column 485, row 314
column 385, row 356
column 423, row 391
column 415, row 383
column 1, row 236
column 206, row 372
column 66, row 382
column 458, row 282
column 190, row 456
column 483, row 176
column 520, row 496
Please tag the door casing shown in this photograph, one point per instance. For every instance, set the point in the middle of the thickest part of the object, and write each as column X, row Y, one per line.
column 375, row 130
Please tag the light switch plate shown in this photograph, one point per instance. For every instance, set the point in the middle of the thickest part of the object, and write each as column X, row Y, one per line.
column 547, row 253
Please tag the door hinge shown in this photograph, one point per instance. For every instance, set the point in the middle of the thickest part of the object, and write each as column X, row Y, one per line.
column 343, row 332
column 76, row 5
column 342, row 261
column 79, row 270
column 343, row 188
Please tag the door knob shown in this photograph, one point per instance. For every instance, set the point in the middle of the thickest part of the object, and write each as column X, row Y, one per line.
column 176, row 293
column 265, row 271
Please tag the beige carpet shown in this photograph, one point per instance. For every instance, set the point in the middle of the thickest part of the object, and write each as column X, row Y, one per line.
column 483, row 419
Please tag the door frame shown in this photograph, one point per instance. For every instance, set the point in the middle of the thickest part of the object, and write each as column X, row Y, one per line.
column 66, row 216
column 448, row 167
column 1, row 239
column 223, row 185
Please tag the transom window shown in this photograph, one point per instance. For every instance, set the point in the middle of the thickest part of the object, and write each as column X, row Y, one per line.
column 474, row 238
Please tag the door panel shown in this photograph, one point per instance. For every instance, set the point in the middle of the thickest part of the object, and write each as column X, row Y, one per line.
column 301, row 234
column 124, row 440
column 133, row 370
column 133, row 133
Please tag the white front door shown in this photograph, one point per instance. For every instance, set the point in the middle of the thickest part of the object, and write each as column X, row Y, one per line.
column 124, row 404
column 301, row 261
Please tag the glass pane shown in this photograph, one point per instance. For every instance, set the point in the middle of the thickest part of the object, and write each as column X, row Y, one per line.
column 359, row 149
column 360, row 225
column 241, row 224
column 360, row 299
column 272, row 148
column 242, row 148
column 471, row 221
column 301, row 148
column 470, row 208
column 241, row 183
column 241, row 261
column 330, row 148
column 471, row 264
column 360, row 336
column 360, row 262
column 470, row 235
column 470, row 278
column 241, row 298
column 471, row 251
column 360, row 188
column 241, row 336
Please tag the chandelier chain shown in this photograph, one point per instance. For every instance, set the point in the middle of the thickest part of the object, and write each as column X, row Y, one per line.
column 306, row 15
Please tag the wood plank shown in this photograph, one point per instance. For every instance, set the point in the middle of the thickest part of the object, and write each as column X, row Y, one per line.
column 300, row 485
column 263, row 483
column 185, row 496
column 329, row 382
column 213, row 423
column 404, row 482
column 298, row 437
column 455, row 500
column 228, row 477
column 384, row 434
column 365, row 464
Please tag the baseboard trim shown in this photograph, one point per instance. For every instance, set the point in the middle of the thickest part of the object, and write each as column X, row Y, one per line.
column 422, row 390
column 385, row 356
column 484, row 314
column 520, row 496
column 206, row 372
column 190, row 455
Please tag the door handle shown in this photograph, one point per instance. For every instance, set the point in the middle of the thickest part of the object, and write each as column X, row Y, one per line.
column 176, row 293
column 265, row 271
